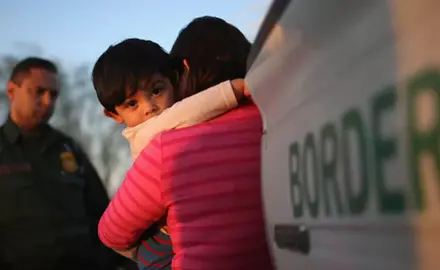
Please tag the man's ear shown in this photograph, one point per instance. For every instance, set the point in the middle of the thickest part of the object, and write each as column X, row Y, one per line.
column 118, row 119
column 10, row 90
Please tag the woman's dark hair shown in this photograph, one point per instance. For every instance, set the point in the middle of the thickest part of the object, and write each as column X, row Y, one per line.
column 127, row 66
column 216, row 51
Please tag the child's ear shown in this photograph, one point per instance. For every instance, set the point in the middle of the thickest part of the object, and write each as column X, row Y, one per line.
column 118, row 119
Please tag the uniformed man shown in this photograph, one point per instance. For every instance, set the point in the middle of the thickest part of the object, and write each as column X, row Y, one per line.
column 51, row 197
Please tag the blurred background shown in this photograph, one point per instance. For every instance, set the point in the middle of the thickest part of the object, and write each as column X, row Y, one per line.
column 75, row 33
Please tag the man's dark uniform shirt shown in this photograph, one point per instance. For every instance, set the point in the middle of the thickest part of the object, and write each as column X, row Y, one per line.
column 51, row 199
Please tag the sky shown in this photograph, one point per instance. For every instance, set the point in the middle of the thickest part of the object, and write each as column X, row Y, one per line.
column 77, row 32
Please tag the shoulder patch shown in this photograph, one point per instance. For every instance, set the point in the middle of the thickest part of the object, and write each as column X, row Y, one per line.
column 68, row 160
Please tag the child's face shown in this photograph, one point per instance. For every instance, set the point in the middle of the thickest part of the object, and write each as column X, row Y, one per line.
column 157, row 96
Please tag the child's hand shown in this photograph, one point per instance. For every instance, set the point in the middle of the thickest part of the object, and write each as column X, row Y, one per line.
column 164, row 229
column 240, row 88
column 246, row 90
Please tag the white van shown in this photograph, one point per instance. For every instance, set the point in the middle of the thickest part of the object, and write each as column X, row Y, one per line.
column 350, row 97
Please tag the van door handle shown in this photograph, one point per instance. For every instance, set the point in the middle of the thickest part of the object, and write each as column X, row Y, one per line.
column 295, row 238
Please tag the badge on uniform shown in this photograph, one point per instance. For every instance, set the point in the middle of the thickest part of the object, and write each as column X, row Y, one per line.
column 68, row 161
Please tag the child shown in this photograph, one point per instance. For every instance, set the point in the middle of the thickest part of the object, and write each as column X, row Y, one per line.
column 149, row 110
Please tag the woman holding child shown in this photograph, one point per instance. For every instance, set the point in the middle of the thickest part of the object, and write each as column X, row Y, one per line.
column 138, row 84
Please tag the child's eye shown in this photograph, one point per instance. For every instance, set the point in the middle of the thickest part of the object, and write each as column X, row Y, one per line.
column 156, row 91
column 131, row 103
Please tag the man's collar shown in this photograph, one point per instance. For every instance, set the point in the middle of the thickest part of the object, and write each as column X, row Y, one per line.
column 12, row 130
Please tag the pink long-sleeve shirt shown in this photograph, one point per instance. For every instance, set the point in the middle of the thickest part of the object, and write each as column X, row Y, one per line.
column 206, row 179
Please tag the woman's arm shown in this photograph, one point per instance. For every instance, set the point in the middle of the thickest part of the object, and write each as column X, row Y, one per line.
column 137, row 204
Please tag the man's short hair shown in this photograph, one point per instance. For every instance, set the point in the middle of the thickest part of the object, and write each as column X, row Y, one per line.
column 23, row 68
column 216, row 51
column 126, row 67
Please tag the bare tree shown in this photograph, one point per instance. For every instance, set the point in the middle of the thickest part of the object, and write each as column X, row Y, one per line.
column 3, row 104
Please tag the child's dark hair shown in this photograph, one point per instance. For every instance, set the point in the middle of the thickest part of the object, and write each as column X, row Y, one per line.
column 216, row 51
column 127, row 66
